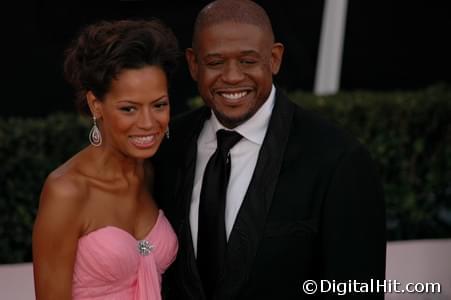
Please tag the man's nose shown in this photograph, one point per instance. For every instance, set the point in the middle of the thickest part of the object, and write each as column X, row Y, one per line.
column 232, row 73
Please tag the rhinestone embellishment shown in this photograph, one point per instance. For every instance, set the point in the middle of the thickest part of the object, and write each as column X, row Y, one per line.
column 144, row 247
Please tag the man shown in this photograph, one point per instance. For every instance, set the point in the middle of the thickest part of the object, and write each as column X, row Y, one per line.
column 301, row 200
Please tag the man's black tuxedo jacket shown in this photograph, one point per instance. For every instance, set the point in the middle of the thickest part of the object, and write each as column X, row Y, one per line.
column 314, row 210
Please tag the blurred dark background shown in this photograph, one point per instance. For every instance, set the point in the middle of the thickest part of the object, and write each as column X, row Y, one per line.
column 389, row 45
column 400, row 48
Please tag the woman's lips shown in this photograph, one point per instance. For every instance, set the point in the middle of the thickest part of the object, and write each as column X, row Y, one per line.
column 143, row 141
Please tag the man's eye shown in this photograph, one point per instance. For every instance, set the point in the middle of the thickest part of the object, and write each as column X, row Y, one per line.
column 247, row 62
column 214, row 63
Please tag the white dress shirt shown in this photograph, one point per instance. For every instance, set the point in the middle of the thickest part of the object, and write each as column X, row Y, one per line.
column 243, row 155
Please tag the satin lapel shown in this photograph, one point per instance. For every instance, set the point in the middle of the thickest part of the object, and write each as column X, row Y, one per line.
column 186, row 263
column 251, row 219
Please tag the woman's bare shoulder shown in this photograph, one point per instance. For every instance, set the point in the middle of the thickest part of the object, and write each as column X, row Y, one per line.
column 65, row 190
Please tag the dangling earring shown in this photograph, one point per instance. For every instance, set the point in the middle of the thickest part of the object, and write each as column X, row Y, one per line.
column 167, row 133
column 95, row 137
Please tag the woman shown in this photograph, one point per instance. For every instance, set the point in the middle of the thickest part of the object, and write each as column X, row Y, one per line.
column 99, row 233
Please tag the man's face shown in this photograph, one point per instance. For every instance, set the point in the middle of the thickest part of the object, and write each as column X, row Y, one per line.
column 233, row 64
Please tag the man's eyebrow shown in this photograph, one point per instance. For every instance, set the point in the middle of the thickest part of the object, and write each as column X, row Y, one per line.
column 212, row 55
column 244, row 52
column 249, row 52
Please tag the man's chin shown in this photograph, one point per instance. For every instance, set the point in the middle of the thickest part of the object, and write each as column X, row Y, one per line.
column 231, row 122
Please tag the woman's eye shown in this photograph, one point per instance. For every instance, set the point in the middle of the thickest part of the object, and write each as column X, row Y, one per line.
column 128, row 109
column 161, row 105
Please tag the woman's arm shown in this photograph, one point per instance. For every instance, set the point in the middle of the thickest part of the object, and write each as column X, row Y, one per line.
column 55, row 238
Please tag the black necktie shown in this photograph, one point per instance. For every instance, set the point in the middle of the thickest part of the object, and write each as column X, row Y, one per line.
column 212, row 239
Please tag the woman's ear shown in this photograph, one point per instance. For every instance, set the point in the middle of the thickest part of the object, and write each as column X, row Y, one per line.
column 95, row 105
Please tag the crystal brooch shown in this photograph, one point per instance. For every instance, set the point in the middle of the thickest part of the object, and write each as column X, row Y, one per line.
column 144, row 247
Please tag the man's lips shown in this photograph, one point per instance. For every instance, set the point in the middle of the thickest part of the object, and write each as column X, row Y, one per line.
column 233, row 96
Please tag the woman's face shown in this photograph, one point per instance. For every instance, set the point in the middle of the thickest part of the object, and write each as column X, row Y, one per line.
column 134, row 115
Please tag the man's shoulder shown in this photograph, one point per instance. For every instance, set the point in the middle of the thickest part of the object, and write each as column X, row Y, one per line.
column 321, row 132
column 182, row 128
column 188, row 119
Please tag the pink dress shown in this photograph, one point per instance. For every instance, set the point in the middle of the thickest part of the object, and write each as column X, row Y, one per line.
column 111, row 264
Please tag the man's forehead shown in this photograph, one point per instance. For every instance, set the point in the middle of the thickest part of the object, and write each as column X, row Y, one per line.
column 235, row 13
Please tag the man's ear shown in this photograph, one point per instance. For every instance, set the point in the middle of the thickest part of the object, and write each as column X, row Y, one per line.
column 192, row 63
column 95, row 105
column 276, row 57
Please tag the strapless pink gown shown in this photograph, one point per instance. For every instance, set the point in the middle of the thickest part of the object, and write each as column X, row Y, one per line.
column 111, row 264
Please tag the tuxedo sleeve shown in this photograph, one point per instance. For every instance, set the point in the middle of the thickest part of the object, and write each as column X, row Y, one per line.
column 353, row 239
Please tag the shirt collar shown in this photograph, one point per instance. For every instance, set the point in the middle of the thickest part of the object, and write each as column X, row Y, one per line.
column 253, row 129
